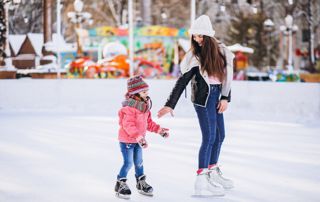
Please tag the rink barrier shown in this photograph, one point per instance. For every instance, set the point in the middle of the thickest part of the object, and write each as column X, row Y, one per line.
column 250, row 99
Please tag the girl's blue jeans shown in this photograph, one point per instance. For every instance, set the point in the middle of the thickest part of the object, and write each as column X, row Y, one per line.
column 132, row 154
column 212, row 129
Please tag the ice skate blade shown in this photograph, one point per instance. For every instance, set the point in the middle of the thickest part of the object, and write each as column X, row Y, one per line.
column 206, row 196
column 144, row 193
column 127, row 197
column 203, row 196
column 228, row 187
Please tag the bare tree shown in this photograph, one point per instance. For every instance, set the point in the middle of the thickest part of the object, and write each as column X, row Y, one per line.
column 26, row 17
column 145, row 7
column 104, row 13
column 3, row 31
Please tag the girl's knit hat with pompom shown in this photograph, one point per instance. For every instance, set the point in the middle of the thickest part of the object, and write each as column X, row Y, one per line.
column 136, row 85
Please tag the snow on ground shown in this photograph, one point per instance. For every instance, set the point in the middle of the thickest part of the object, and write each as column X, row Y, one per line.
column 64, row 158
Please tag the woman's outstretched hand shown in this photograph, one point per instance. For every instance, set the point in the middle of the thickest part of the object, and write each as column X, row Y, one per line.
column 164, row 110
column 222, row 106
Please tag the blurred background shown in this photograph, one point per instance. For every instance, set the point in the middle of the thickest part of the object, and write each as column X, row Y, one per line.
column 64, row 66
column 272, row 40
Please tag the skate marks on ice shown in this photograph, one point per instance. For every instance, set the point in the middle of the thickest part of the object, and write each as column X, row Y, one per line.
column 128, row 197
column 120, row 196
column 206, row 196
column 64, row 158
column 146, row 194
column 214, row 197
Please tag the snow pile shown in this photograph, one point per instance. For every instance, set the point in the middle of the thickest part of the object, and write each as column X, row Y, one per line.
column 16, row 42
column 5, row 69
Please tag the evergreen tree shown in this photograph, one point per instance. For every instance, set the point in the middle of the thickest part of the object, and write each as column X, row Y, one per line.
column 249, row 30
column 3, row 31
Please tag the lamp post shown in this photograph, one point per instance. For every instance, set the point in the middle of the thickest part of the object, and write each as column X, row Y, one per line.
column 164, row 16
column 192, row 11
column 78, row 17
column 7, row 4
column 268, row 24
column 131, row 37
column 288, row 29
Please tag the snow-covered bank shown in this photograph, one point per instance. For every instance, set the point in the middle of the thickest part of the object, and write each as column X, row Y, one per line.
column 250, row 100
column 46, row 158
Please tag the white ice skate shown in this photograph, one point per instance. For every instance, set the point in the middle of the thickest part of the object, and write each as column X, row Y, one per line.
column 215, row 176
column 203, row 188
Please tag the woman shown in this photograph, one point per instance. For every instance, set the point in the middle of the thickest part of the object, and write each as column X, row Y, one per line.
column 209, row 66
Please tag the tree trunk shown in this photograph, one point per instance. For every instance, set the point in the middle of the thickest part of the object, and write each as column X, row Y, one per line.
column 47, row 29
column 311, row 36
column 47, row 21
column 146, row 12
column 3, row 31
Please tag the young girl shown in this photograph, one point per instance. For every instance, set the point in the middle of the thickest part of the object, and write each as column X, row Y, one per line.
column 209, row 67
column 135, row 120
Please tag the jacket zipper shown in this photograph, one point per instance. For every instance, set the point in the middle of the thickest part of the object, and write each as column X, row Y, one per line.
column 205, row 104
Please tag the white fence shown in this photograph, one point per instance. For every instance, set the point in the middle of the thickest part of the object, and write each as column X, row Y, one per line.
column 250, row 100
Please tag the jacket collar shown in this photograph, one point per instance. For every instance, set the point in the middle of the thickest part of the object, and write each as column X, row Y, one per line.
column 188, row 62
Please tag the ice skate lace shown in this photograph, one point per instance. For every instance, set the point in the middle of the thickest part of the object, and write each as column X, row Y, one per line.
column 144, row 184
column 123, row 186
column 220, row 173
column 212, row 182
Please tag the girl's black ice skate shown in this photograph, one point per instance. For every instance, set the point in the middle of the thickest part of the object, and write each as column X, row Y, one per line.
column 122, row 190
column 143, row 187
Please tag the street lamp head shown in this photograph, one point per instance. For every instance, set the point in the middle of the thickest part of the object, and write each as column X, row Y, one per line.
column 283, row 28
column 164, row 15
column 254, row 9
column 26, row 19
column 222, row 8
column 268, row 23
column 86, row 15
column 71, row 15
column 16, row 2
column 74, row 20
column 78, row 5
column 288, row 20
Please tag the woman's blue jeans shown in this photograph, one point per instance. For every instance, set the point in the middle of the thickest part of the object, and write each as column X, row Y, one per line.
column 212, row 129
column 132, row 154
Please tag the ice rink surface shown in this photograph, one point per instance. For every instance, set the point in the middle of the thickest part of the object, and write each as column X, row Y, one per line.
column 65, row 158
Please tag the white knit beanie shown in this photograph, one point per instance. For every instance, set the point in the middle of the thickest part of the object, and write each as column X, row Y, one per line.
column 202, row 26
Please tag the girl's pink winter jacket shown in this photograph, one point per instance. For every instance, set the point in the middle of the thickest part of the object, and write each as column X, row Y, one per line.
column 134, row 124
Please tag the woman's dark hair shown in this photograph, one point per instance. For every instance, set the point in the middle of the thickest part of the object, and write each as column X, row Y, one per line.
column 211, row 59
